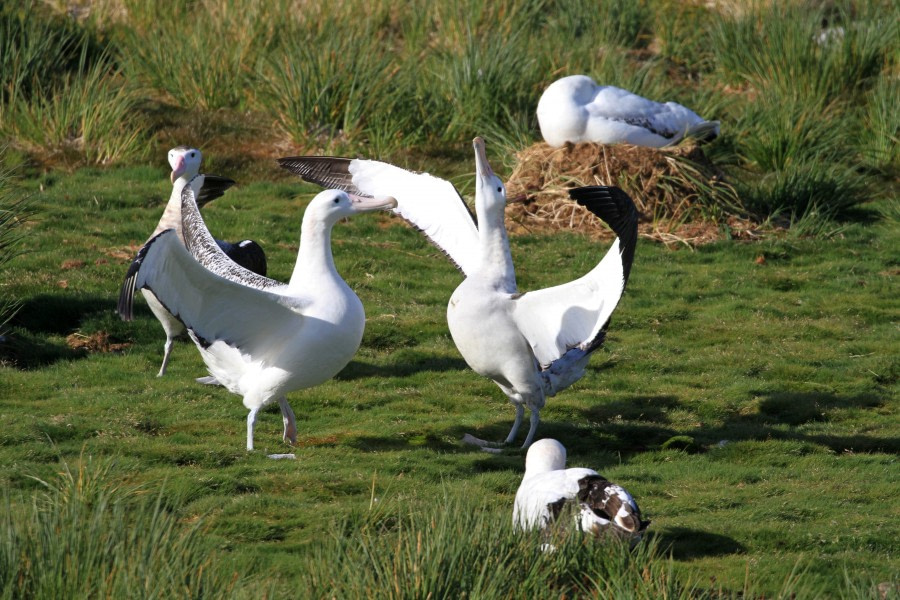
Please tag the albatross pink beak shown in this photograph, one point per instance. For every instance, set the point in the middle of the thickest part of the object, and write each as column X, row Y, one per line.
column 179, row 168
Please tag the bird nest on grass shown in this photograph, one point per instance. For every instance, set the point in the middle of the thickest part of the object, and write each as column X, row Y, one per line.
column 681, row 195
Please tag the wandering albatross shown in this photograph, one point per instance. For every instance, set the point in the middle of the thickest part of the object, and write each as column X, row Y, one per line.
column 598, row 507
column 534, row 344
column 259, row 338
column 576, row 109
column 185, row 162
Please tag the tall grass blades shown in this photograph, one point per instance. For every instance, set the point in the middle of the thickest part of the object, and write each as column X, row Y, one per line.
column 880, row 142
column 90, row 536
column 783, row 49
column 13, row 213
column 452, row 549
column 200, row 55
column 323, row 88
column 89, row 116
column 35, row 49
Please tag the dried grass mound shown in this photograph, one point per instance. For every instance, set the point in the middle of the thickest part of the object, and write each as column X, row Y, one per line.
column 679, row 193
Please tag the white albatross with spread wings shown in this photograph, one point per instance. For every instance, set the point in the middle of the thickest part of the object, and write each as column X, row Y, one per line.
column 259, row 338
column 185, row 162
column 576, row 109
column 533, row 344
column 598, row 506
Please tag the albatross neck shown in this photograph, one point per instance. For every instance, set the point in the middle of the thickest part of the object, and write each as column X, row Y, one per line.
column 314, row 259
column 171, row 217
column 496, row 260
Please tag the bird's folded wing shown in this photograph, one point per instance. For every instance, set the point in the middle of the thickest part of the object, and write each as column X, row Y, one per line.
column 213, row 307
column 204, row 248
column 429, row 203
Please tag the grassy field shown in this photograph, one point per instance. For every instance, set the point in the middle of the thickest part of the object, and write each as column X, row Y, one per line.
column 747, row 393
column 746, row 396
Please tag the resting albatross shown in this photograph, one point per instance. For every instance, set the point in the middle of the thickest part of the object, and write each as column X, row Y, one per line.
column 259, row 337
column 534, row 344
column 575, row 109
column 598, row 506
column 185, row 163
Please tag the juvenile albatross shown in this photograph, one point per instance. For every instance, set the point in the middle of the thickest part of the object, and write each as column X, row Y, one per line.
column 575, row 109
column 185, row 163
column 599, row 507
column 534, row 344
column 259, row 338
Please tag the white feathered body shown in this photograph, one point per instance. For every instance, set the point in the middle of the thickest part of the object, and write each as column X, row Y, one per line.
column 576, row 109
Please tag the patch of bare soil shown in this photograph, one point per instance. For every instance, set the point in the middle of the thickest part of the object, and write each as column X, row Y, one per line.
column 96, row 342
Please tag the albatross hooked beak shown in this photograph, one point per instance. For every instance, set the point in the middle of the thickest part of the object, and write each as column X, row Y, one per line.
column 364, row 204
column 179, row 169
column 482, row 168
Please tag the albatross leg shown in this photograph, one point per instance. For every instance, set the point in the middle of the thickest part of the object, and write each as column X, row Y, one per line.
column 290, row 422
column 535, row 418
column 251, row 424
column 520, row 412
column 167, row 352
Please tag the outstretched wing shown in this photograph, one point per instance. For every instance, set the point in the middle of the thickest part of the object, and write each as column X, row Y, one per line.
column 575, row 315
column 213, row 187
column 204, row 248
column 212, row 307
column 429, row 203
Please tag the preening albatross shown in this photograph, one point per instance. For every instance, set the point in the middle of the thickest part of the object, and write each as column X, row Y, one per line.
column 185, row 163
column 548, row 489
column 259, row 338
column 534, row 344
column 576, row 109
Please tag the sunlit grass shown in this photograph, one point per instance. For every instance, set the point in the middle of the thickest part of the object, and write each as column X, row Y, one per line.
column 746, row 396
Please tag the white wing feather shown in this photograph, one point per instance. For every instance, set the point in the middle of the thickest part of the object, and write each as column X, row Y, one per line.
column 214, row 308
column 555, row 319
column 431, row 204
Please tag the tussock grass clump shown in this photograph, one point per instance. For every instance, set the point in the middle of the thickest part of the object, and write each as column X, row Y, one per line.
column 202, row 54
column 670, row 187
column 61, row 95
column 14, row 211
column 454, row 549
column 89, row 535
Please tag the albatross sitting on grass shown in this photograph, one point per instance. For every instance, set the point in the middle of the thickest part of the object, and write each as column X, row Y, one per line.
column 533, row 344
column 598, row 507
column 185, row 163
column 575, row 109
column 259, row 338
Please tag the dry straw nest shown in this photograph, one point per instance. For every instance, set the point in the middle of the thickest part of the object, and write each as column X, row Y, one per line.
column 680, row 194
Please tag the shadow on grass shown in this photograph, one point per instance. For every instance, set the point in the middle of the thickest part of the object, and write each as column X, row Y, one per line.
column 641, row 423
column 415, row 362
column 27, row 346
column 689, row 544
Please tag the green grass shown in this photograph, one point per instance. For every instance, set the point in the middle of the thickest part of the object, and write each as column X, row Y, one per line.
column 809, row 127
column 747, row 396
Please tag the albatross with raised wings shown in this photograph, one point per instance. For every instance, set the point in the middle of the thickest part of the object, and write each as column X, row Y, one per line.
column 533, row 344
column 259, row 338
column 185, row 162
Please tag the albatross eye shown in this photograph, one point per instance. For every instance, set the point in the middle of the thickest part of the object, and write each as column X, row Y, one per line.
column 337, row 200
column 499, row 188
column 193, row 154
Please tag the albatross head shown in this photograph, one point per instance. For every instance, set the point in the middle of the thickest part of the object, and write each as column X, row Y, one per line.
column 489, row 190
column 543, row 456
column 185, row 162
column 331, row 206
